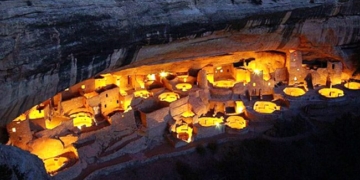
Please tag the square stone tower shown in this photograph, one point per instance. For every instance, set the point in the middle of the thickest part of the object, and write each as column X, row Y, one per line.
column 296, row 72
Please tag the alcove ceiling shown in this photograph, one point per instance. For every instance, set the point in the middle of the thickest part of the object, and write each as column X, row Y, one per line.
column 47, row 46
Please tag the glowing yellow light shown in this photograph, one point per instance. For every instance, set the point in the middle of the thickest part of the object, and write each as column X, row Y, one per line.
column 13, row 129
column 54, row 164
column 265, row 107
column 188, row 113
column 239, row 106
column 151, row 77
column 218, row 68
column 224, row 83
column 163, row 74
column 123, row 93
column 34, row 113
column 118, row 82
column 239, row 109
column 128, row 109
column 22, row 117
column 169, row 97
column 82, row 86
column 236, row 122
column 53, row 148
column 352, row 85
column 269, row 84
column 331, row 92
column 100, row 82
column 294, row 91
column 183, row 86
column 210, row 121
column 91, row 94
column 142, row 93
column 254, row 84
column 55, row 121
column 106, row 75
column 184, row 132
column 210, row 78
column 295, row 78
column 67, row 89
column 81, row 119
column 257, row 71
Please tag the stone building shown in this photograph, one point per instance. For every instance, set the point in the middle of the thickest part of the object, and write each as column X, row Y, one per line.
column 242, row 75
column 281, row 75
column 71, row 105
column 224, row 76
column 84, row 87
column 209, row 69
column 19, row 132
column 334, row 69
column 110, row 101
column 258, row 86
column 202, row 80
column 156, row 122
column 55, row 103
column 296, row 72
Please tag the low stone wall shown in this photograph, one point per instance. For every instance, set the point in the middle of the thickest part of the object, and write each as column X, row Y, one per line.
column 218, row 93
column 258, row 117
column 204, row 132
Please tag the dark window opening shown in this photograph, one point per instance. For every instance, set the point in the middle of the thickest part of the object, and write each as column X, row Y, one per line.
column 105, row 105
column 247, row 61
column 230, row 110
column 193, row 72
column 106, row 95
column 315, row 64
column 239, row 63
column 333, row 66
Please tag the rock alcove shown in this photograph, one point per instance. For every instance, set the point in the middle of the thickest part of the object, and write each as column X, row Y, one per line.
column 47, row 47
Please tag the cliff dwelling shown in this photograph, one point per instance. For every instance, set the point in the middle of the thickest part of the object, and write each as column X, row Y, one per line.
column 109, row 96
column 179, row 102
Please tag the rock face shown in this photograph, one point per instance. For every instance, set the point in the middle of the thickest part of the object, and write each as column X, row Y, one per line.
column 47, row 46
column 18, row 164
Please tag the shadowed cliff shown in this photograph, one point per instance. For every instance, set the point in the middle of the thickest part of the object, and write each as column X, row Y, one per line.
column 47, row 46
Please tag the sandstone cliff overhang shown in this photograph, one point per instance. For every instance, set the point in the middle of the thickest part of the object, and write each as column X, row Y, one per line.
column 47, row 46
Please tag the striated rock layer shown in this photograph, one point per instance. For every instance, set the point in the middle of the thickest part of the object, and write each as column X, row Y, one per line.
column 47, row 46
